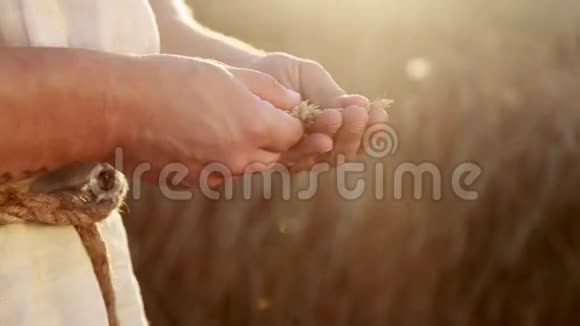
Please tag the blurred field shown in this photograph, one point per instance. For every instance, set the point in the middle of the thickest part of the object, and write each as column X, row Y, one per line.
column 372, row 46
column 490, row 82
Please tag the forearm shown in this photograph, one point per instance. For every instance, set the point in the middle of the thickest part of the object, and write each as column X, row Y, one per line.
column 181, row 34
column 54, row 107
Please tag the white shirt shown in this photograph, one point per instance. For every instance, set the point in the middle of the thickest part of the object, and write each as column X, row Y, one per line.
column 46, row 277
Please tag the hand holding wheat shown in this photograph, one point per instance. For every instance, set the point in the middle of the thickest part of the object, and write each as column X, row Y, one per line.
column 329, row 132
column 308, row 112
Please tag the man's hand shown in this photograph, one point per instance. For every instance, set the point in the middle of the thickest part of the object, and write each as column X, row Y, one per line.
column 342, row 132
column 198, row 112
column 333, row 132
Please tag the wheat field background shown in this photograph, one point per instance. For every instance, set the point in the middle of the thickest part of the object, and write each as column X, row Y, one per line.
column 247, row 262
column 389, row 47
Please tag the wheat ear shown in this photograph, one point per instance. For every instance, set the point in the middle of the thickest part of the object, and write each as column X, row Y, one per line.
column 307, row 112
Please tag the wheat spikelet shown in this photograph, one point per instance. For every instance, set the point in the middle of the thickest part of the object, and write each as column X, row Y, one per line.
column 307, row 112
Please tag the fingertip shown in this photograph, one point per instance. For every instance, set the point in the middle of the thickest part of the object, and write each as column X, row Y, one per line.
column 349, row 100
column 350, row 135
column 310, row 145
column 378, row 116
column 355, row 117
column 328, row 122
column 295, row 124
column 293, row 96
column 268, row 88
column 287, row 99
column 284, row 130
column 321, row 143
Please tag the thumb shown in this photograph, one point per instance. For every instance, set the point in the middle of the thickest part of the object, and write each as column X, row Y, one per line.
column 318, row 86
column 267, row 88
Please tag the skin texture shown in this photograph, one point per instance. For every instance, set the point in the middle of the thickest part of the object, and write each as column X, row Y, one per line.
column 34, row 80
column 235, row 130
column 116, row 91
column 334, row 132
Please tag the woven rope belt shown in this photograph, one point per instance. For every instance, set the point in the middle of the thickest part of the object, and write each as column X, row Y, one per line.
column 79, row 195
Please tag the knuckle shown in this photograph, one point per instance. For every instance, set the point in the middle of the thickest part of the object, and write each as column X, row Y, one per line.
column 274, row 83
column 313, row 65
column 215, row 70
column 268, row 81
column 280, row 59
column 281, row 56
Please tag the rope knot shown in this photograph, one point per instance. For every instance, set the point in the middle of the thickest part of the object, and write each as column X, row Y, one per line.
column 78, row 195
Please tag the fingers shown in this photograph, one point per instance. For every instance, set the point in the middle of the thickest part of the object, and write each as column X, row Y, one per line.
column 267, row 88
column 311, row 145
column 378, row 116
column 258, row 162
column 272, row 130
column 319, row 87
column 349, row 137
column 238, row 165
column 262, row 161
column 328, row 122
column 305, row 164
column 282, row 131
column 319, row 142
column 352, row 100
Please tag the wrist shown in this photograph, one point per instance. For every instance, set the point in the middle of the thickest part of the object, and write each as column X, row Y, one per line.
column 124, row 92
